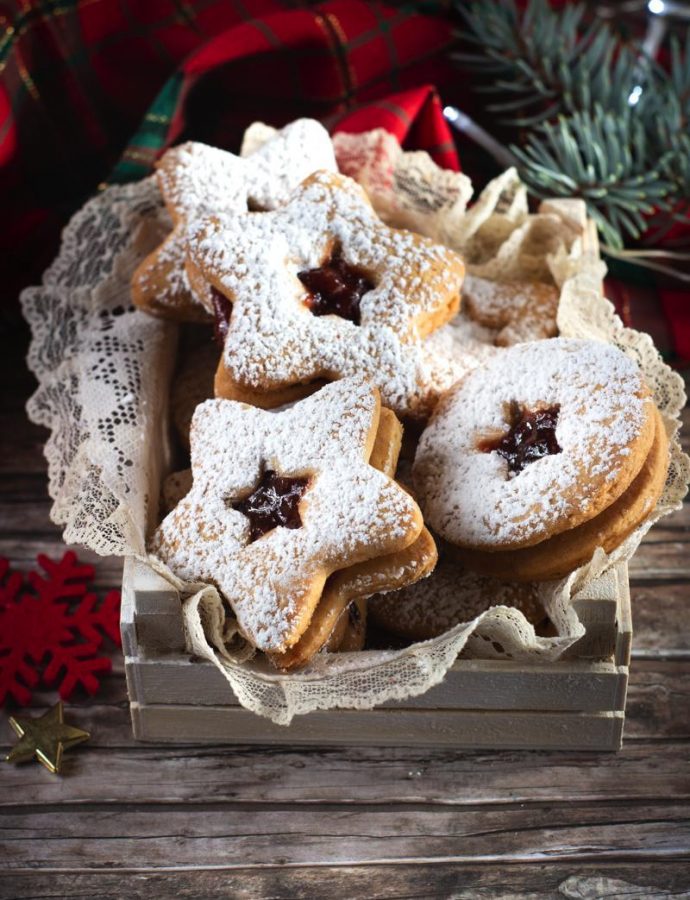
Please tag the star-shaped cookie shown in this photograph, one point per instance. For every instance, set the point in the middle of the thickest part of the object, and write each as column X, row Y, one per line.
column 281, row 500
column 196, row 180
column 322, row 289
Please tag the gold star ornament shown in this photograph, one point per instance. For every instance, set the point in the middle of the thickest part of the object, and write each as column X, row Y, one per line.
column 45, row 737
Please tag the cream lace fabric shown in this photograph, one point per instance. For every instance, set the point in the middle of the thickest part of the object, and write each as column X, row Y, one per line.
column 104, row 371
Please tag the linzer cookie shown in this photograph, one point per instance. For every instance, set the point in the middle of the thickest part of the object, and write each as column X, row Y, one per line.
column 284, row 506
column 196, row 180
column 549, row 450
column 320, row 289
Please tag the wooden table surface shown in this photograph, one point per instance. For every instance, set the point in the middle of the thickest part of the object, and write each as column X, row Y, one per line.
column 147, row 821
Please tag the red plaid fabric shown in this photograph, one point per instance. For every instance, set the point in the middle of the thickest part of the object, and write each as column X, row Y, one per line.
column 94, row 90
column 318, row 62
column 80, row 78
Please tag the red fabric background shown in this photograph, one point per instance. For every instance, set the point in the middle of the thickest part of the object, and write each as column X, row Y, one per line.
column 88, row 86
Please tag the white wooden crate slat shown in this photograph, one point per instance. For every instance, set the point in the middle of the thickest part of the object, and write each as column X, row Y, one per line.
column 477, row 684
column 384, row 727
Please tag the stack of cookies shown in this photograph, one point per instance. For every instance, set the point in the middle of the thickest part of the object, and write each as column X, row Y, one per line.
column 295, row 514
column 332, row 329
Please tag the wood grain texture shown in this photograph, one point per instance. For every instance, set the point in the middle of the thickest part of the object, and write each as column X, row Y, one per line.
column 262, row 776
column 658, row 708
column 386, row 727
column 541, row 881
column 205, row 822
column 482, row 684
column 244, row 837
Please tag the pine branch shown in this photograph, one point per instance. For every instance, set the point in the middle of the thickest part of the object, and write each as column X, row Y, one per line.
column 603, row 159
column 549, row 61
column 669, row 127
column 600, row 120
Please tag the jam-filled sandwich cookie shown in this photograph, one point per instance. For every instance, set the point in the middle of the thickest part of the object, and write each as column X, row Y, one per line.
column 448, row 597
column 321, row 289
column 339, row 623
column 548, row 451
column 196, row 180
column 288, row 517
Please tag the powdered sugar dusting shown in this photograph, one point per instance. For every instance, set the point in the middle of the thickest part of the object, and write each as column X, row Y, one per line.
column 274, row 339
column 453, row 351
column 448, row 597
column 196, row 180
column 350, row 512
column 519, row 311
column 469, row 497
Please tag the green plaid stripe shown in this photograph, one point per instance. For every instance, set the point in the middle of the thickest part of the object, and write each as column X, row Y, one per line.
column 138, row 159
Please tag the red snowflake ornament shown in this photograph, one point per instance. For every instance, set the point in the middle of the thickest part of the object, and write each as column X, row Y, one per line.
column 52, row 628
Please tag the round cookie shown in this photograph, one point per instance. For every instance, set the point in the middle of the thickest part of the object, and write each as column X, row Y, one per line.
column 567, row 551
column 541, row 439
column 449, row 596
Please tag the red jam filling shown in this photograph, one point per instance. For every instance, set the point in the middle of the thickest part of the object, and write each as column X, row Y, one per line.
column 222, row 308
column 336, row 288
column 274, row 502
column 531, row 436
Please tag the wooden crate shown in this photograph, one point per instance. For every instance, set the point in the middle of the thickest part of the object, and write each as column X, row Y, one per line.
column 577, row 703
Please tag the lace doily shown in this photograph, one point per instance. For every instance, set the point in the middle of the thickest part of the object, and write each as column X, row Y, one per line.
column 104, row 371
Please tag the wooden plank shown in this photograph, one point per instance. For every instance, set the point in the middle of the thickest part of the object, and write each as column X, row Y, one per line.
column 383, row 727
column 140, row 836
column 21, row 443
column 21, row 488
column 643, row 771
column 26, row 515
column 470, row 684
column 662, row 623
column 597, row 609
column 658, row 699
column 151, row 616
column 154, row 607
column 22, row 553
column 639, row 880
column 177, row 700
column 658, row 560
column 674, row 527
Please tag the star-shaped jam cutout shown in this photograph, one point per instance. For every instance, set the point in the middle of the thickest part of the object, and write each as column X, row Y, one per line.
column 274, row 502
column 531, row 436
column 368, row 309
column 45, row 738
column 197, row 180
column 306, row 465
column 336, row 288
